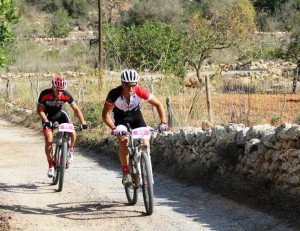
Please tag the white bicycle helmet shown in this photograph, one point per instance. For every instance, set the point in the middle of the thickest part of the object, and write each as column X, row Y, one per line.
column 129, row 75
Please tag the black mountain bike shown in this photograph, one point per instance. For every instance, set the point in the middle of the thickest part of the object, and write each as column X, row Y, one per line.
column 62, row 149
column 140, row 168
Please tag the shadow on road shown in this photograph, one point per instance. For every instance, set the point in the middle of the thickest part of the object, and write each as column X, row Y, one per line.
column 75, row 211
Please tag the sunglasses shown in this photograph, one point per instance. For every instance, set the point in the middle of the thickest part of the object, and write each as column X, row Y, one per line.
column 129, row 84
column 58, row 90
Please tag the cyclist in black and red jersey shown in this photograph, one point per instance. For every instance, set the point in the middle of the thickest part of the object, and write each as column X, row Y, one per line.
column 124, row 101
column 51, row 109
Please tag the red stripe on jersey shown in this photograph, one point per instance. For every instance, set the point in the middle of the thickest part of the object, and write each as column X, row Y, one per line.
column 47, row 97
column 64, row 97
column 142, row 92
column 109, row 103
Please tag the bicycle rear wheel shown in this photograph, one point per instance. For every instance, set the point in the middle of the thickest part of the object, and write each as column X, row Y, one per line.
column 132, row 191
column 56, row 161
column 147, row 182
column 62, row 166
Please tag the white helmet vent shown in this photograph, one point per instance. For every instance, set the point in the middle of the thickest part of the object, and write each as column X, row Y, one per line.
column 129, row 75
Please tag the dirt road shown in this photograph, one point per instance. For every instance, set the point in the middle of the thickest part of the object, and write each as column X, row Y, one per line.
column 93, row 197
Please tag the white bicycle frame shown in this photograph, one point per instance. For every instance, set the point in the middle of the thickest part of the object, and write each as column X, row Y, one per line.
column 141, row 133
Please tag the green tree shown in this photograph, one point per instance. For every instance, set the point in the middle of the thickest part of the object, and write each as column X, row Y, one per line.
column 268, row 5
column 76, row 8
column 152, row 46
column 8, row 16
column 59, row 24
column 293, row 49
column 49, row 5
column 225, row 25
column 114, row 44
column 267, row 14
column 289, row 15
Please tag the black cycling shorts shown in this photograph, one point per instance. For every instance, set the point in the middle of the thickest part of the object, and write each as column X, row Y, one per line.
column 134, row 119
column 60, row 117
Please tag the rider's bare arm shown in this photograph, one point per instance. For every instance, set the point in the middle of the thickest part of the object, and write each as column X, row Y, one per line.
column 160, row 109
column 78, row 113
column 106, row 116
column 41, row 113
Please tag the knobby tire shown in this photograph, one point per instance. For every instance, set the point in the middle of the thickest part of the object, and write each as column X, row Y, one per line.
column 56, row 160
column 132, row 192
column 62, row 166
column 147, row 182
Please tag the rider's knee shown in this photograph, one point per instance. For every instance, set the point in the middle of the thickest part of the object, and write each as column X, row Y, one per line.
column 123, row 142
column 48, row 143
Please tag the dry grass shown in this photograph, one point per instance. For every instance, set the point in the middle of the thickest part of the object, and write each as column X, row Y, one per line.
column 252, row 109
column 249, row 109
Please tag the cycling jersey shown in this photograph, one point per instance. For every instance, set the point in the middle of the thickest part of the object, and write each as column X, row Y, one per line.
column 124, row 112
column 116, row 98
column 51, row 106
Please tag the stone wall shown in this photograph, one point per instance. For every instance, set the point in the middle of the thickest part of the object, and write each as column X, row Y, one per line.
column 259, row 152
column 262, row 151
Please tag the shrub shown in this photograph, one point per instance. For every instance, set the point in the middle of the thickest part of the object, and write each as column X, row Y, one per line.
column 168, row 11
column 152, row 46
column 92, row 113
column 58, row 25
column 76, row 8
column 233, row 85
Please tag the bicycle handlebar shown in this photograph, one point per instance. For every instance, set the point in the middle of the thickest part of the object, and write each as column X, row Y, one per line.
column 127, row 133
column 76, row 127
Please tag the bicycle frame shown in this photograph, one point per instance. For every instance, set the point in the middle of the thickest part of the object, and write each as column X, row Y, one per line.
column 136, row 139
column 140, row 167
column 64, row 130
column 61, row 151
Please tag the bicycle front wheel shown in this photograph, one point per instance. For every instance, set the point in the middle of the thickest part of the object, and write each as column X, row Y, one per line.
column 147, row 182
column 62, row 166
column 56, row 161
column 132, row 191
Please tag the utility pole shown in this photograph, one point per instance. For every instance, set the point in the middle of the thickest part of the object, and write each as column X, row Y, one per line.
column 101, row 61
column 208, row 98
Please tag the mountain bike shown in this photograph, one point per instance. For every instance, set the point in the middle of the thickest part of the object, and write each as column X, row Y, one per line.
column 140, row 167
column 62, row 150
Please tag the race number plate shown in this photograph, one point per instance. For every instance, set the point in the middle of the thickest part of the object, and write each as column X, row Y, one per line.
column 142, row 132
column 65, row 127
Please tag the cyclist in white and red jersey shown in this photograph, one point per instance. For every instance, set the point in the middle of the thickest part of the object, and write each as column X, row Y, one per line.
column 124, row 101
column 51, row 109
